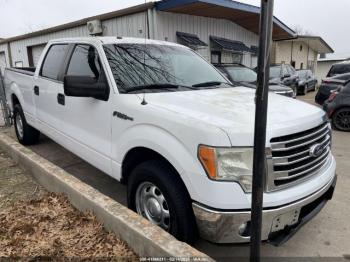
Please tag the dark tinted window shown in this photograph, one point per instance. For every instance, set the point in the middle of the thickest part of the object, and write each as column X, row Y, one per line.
column 84, row 62
column 339, row 69
column 53, row 61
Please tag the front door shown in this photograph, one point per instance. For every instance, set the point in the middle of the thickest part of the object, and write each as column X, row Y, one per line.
column 86, row 121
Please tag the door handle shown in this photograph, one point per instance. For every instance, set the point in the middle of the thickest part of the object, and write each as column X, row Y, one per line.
column 61, row 99
column 36, row 90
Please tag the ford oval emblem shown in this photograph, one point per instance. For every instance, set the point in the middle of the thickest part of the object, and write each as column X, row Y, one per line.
column 316, row 150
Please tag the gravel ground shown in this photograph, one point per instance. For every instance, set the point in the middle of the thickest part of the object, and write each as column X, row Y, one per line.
column 35, row 224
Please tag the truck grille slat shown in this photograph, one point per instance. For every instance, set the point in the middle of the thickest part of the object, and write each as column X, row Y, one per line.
column 298, row 156
column 300, row 138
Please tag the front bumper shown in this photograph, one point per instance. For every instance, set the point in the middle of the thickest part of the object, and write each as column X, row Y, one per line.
column 278, row 224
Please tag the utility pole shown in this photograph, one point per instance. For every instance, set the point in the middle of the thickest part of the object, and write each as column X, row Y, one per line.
column 261, row 99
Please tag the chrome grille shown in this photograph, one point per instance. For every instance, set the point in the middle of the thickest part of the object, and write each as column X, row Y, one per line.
column 296, row 157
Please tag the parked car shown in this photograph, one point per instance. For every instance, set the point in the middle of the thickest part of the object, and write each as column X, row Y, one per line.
column 307, row 81
column 284, row 74
column 339, row 69
column 328, row 85
column 338, row 107
column 162, row 120
column 242, row 75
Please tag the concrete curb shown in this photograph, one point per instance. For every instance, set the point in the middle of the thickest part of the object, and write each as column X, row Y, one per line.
column 143, row 237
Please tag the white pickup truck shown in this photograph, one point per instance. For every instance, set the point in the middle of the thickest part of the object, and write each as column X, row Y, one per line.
column 159, row 118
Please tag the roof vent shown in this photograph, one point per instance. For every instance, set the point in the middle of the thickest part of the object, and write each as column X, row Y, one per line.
column 94, row 27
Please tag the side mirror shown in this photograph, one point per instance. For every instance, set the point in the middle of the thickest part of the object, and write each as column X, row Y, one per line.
column 85, row 86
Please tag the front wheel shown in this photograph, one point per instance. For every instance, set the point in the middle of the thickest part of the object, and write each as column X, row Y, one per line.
column 305, row 89
column 156, row 193
column 26, row 134
column 341, row 119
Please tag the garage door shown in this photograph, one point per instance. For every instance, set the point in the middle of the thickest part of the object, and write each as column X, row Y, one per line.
column 2, row 62
column 36, row 53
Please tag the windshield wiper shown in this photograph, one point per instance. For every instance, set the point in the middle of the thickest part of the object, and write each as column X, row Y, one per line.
column 211, row 83
column 151, row 86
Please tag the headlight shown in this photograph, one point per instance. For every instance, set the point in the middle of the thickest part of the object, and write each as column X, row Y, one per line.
column 228, row 164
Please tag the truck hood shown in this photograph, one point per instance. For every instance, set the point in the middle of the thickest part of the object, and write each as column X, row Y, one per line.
column 233, row 110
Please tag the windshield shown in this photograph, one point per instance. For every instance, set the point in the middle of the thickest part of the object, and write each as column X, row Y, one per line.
column 241, row 74
column 137, row 65
column 275, row 71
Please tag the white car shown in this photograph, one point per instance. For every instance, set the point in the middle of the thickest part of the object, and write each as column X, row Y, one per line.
column 159, row 118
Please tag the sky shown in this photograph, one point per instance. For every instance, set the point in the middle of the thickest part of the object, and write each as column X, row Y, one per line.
column 326, row 18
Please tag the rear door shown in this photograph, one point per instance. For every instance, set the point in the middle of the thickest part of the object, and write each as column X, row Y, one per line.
column 45, row 89
column 86, row 121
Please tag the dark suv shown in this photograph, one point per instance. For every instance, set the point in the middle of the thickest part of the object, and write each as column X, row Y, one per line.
column 284, row 74
column 328, row 85
column 338, row 107
column 246, row 76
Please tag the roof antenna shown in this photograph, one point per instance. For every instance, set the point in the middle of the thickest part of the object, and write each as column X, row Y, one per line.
column 144, row 102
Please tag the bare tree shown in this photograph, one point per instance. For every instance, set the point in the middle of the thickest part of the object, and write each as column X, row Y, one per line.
column 299, row 30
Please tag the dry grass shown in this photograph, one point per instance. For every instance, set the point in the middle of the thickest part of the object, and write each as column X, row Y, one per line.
column 49, row 227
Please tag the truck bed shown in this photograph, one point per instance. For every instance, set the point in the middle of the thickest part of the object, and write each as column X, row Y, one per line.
column 23, row 70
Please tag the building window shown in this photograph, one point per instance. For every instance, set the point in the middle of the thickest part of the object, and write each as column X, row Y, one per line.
column 292, row 63
column 237, row 58
column 301, row 65
column 215, row 57
column 18, row 64
column 301, row 48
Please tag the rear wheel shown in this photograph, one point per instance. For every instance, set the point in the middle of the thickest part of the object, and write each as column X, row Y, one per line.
column 341, row 119
column 156, row 193
column 26, row 134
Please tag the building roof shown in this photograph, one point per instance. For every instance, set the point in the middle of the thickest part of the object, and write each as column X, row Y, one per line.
column 335, row 57
column 247, row 16
column 315, row 42
column 105, row 16
column 244, row 15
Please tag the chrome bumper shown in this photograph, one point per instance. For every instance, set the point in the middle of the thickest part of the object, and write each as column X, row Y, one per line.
column 278, row 224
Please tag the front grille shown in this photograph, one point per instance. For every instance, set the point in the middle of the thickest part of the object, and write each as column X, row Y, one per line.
column 292, row 159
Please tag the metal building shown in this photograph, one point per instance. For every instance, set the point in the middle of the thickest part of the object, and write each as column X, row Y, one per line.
column 220, row 30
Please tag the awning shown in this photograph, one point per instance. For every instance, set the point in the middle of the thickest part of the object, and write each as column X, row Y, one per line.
column 229, row 45
column 254, row 50
column 245, row 15
column 190, row 39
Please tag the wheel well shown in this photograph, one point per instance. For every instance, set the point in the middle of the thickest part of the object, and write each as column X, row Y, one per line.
column 15, row 100
column 139, row 155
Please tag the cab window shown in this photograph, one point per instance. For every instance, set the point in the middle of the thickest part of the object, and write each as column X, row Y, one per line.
column 85, row 62
column 53, row 61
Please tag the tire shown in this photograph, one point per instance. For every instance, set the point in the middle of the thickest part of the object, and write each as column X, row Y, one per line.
column 305, row 90
column 159, row 183
column 26, row 134
column 341, row 119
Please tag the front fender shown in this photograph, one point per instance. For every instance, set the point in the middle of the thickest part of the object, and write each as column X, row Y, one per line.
column 165, row 144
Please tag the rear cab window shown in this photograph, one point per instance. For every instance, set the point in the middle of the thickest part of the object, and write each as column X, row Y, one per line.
column 338, row 69
column 53, row 61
